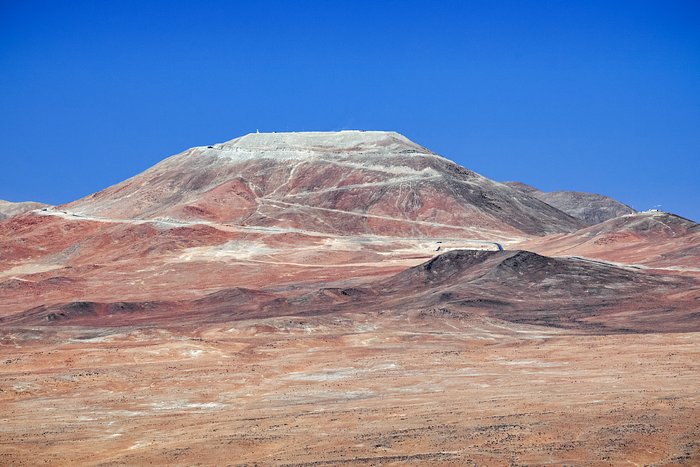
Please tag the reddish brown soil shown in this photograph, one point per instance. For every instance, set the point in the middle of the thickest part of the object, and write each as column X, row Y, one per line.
column 365, row 389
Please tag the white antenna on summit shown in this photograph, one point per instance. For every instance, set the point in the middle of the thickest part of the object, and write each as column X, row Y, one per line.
column 257, row 131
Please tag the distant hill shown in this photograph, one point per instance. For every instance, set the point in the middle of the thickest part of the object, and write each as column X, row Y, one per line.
column 650, row 238
column 589, row 207
column 9, row 209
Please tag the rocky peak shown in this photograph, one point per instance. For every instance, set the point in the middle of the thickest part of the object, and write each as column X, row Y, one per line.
column 321, row 141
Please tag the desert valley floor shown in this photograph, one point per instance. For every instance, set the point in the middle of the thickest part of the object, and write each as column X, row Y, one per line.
column 344, row 389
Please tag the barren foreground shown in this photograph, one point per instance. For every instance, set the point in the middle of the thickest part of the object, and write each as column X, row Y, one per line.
column 329, row 390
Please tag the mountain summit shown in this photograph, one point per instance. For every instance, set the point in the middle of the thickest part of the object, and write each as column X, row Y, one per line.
column 347, row 140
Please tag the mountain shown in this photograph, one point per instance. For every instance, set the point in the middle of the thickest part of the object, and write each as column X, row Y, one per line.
column 588, row 207
column 291, row 212
column 348, row 182
column 276, row 208
column 9, row 209
column 649, row 238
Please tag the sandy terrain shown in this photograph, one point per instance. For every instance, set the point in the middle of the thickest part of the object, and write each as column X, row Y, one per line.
column 344, row 389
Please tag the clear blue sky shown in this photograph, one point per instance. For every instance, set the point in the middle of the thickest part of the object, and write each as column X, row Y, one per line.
column 600, row 96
